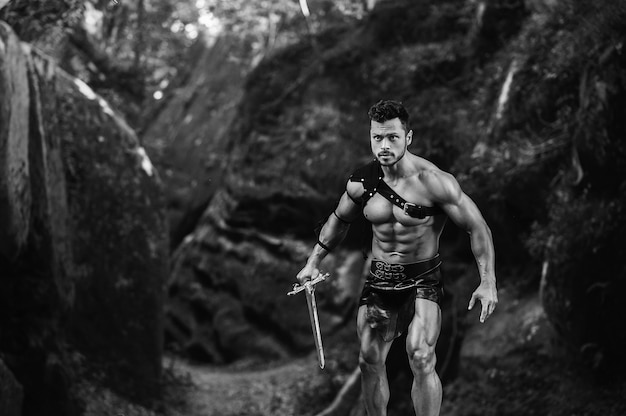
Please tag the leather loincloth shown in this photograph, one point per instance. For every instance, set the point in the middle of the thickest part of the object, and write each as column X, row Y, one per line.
column 391, row 289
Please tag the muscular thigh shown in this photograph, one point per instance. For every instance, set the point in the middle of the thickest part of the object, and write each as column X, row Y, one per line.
column 373, row 347
column 425, row 327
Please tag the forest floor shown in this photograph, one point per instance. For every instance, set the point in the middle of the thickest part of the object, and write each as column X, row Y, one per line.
column 231, row 392
column 511, row 366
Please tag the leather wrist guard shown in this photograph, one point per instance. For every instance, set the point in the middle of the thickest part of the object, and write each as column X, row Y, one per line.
column 324, row 246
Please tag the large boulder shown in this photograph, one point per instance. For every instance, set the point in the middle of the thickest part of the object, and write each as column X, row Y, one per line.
column 187, row 132
column 15, row 199
column 11, row 393
column 555, row 160
column 228, row 293
column 86, row 253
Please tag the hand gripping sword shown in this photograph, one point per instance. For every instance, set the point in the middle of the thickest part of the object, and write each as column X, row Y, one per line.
column 309, row 291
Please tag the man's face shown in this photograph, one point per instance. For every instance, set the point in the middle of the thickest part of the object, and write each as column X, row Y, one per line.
column 389, row 141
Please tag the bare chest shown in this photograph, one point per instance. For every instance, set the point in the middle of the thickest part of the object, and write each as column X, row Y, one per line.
column 380, row 210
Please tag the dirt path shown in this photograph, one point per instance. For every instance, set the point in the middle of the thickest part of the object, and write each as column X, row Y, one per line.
column 218, row 391
column 512, row 367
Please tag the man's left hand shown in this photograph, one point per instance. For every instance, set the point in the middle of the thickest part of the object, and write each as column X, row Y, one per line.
column 488, row 296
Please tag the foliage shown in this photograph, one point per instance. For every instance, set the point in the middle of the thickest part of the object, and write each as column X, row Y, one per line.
column 587, row 121
column 129, row 50
column 32, row 19
column 555, row 158
column 559, row 120
column 241, row 16
column 529, row 382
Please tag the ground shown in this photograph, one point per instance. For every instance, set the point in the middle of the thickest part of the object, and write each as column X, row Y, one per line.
column 276, row 390
column 512, row 365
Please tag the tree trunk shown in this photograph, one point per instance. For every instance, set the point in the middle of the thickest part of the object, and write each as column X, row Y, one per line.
column 139, row 41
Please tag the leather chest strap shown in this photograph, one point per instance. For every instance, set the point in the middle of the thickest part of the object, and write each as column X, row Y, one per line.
column 412, row 210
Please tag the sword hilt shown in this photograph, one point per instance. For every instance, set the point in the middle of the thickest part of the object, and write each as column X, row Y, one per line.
column 310, row 285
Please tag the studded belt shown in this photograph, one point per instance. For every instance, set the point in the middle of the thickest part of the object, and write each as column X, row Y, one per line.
column 394, row 276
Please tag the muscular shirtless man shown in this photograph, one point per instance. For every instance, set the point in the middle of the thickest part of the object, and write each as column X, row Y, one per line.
column 407, row 199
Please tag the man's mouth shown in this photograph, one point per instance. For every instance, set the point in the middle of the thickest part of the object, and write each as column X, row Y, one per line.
column 384, row 154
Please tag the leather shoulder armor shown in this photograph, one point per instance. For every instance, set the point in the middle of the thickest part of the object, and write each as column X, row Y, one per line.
column 369, row 175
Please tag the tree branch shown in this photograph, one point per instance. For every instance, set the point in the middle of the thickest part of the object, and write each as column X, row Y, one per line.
column 346, row 397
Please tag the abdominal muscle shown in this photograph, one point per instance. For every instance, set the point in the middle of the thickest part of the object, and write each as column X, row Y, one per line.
column 399, row 238
column 396, row 243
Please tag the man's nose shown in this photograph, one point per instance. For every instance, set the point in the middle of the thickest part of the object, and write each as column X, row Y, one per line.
column 385, row 144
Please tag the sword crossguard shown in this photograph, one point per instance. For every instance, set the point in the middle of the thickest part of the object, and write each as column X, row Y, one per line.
column 309, row 288
column 309, row 285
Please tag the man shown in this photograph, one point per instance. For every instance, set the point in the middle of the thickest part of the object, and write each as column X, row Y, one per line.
column 407, row 200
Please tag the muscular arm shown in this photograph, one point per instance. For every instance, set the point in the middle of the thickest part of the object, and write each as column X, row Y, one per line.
column 464, row 213
column 332, row 234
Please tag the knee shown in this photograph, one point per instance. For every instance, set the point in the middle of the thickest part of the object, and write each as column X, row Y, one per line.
column 370, row 359
column 423, row 360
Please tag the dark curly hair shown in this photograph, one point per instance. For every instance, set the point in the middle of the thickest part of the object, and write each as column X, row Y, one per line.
column 385, row 110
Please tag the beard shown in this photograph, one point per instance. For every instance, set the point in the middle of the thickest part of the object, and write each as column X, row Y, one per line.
column 388, row 158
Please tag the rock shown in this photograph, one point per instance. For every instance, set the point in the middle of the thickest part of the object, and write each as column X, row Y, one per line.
column 299, row 130
column 187, row 136
column 11, row 393
column 228, row 296
column 500, row 19
column 86, row 249
column 118, row 236
column 515, row 324
column 15, row 198
column 582, row 293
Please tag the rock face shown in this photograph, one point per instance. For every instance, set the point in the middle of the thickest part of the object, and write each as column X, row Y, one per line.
column 299, row 130
column 15, row 199
column 568, row 168
column 187, row 134
column 487, row 87
column 85, row 256
column 228, row 293
column 11, row 393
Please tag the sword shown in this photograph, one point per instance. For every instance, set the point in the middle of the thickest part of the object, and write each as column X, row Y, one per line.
column 309, row 291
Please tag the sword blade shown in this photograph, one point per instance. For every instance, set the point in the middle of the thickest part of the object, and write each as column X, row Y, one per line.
column 315, row 323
